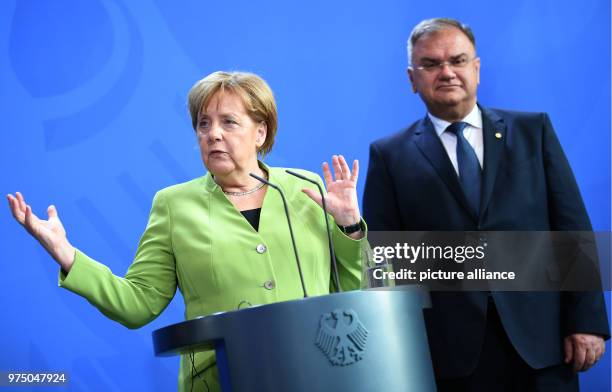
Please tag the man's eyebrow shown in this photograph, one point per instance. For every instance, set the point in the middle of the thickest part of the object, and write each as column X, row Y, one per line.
column 458, row 56
column 430, row 59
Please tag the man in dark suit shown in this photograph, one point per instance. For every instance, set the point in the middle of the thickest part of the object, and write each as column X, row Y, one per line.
column 465, row 167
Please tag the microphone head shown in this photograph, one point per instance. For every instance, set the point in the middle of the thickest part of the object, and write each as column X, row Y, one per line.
column 255, row 176
column 298, row 175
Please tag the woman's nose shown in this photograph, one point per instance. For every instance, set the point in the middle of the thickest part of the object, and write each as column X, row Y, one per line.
column 215, row 132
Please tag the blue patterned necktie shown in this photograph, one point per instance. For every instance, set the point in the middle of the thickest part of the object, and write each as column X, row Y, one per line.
column 469, row 168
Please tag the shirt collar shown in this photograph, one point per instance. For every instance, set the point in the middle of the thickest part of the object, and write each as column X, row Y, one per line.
column 474, row 119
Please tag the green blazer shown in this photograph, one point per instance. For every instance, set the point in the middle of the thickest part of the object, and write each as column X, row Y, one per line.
column 197, row 241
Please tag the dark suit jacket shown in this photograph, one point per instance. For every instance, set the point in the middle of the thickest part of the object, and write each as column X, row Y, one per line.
column 527, row 185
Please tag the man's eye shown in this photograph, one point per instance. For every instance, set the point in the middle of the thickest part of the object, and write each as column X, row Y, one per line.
column 431, row 65
column 460, row 62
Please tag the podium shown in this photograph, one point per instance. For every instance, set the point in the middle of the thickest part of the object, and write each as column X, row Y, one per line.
column 372, row 340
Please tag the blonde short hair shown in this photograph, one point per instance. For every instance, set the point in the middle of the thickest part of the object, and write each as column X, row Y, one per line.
column 256, row 95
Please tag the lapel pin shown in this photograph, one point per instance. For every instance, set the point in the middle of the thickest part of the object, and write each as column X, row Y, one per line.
column 498, row 135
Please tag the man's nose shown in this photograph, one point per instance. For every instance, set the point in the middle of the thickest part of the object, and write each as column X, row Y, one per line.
column 446, row 71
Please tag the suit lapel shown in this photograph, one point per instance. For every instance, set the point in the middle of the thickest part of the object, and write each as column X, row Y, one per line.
column 494, row 133
column 431, row 147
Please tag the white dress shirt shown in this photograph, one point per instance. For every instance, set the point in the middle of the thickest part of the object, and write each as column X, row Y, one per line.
column 472, row 133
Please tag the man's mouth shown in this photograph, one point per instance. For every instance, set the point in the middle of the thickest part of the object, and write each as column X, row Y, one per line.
column 448, row 87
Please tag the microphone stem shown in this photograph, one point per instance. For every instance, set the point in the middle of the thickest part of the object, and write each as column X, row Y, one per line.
column 297, row 258
column 332, row 253
column 299, row 265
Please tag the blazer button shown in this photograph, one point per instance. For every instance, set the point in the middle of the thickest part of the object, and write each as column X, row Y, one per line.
column 269, row 285
column 261, row 248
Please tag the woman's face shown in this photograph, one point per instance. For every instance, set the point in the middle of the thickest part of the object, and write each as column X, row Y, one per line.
column 228, row 136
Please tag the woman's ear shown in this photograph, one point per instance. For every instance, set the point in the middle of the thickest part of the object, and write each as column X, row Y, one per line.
column 262, row 131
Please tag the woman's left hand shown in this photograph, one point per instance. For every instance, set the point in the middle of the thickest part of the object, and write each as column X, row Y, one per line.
column 341, row 198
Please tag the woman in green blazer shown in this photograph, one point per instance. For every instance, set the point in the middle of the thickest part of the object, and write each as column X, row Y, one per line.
column 222, row 239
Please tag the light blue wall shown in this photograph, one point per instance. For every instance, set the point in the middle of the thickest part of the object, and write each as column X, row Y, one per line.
column 93, row 119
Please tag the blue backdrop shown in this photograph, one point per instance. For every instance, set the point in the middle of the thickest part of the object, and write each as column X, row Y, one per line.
column 94, row 120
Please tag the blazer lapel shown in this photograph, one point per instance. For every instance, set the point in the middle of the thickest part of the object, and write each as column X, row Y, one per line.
column 494, row 133
column 430, row 145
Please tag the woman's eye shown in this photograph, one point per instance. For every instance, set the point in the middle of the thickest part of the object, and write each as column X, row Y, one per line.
column 203, row 124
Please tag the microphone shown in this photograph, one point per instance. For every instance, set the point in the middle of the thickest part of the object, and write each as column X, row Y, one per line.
column 332, row 254
column 297, row 258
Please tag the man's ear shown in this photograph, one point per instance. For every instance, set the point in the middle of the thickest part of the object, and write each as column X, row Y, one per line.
column 410, row 73
column 477, row 65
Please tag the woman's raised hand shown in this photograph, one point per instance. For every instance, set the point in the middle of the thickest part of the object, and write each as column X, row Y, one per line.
column 50, row 233
column 341, row 198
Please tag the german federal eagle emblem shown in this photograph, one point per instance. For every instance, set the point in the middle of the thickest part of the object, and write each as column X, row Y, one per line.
column 342, row 337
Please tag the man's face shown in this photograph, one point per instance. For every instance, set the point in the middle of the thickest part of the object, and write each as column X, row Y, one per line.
column 448, row 90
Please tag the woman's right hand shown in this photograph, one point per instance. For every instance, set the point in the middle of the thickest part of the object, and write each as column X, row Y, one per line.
column 50, row 233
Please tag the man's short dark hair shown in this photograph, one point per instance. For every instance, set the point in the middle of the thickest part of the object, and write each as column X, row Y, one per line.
column 429, row 26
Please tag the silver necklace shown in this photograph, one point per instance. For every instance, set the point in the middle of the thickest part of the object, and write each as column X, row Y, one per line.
column 258, row 187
